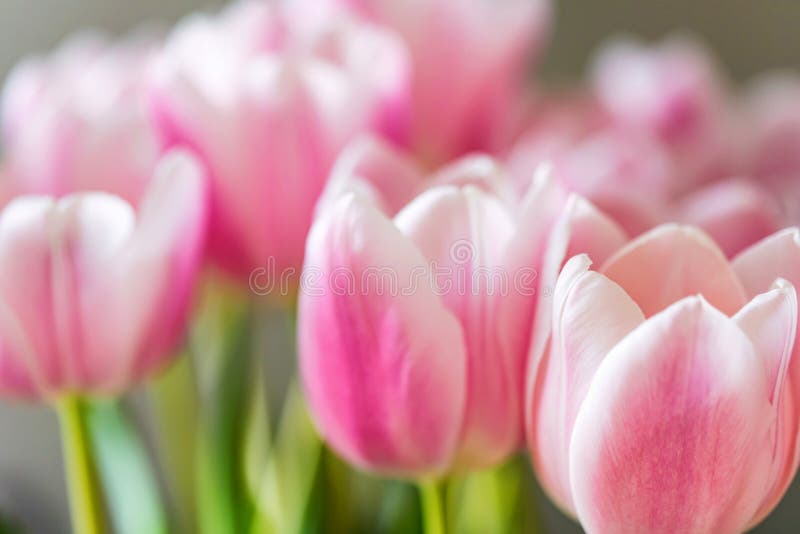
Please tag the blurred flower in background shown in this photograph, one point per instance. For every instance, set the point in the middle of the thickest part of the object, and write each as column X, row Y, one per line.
column 267, row 95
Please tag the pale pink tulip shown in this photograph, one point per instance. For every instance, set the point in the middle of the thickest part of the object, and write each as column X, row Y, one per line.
column 414, row 325
column 674, row 93
column 771, row 121
column 663, row 401
column 77, row 120
column 633, row 177
column 470, row 59
column 268, row 96
column 94, row 293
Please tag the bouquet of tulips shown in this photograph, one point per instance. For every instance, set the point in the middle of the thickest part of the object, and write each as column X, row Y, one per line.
column 367, row 275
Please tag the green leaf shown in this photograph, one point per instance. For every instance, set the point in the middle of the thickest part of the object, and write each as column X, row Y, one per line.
column 131, row 488
column 288, row 482
column 495, row 500
column 221, row 349
column 173, row 405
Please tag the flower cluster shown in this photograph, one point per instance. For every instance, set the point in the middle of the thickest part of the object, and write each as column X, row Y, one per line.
column 603, row 275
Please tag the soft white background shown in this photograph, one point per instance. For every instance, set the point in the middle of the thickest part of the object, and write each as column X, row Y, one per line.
column 749, row 35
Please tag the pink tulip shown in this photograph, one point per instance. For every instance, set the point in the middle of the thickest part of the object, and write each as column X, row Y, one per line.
column 634, row 178
column 268, row 96
column 771, row 120
column 663, row 402
column 93, row 292
column 673, row 92
column 77, row 120
column 410, row 346
column 470, row 59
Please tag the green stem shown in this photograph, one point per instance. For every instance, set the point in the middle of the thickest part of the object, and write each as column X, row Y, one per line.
column 432, row 506
column 83, row 496
column 174, row 409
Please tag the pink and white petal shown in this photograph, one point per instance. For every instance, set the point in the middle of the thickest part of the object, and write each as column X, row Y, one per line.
column 26, row 295
column 478, row 171
column 143, row 299
column 167, row 254
column 591, row 315
column 89, row 231
column 770, row 321
column 672, row 262
column 777, row 256
column 464, row 232
column 372, row 167
column 580, row 229
column 670, row 436
column 384, row 369
column 736, row 214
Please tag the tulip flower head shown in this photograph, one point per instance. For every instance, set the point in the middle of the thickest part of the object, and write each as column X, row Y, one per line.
column 414, row 325
column 268, row 96
column 77, row 120
column 665, row 400
column 93, row 292
column 467, row 76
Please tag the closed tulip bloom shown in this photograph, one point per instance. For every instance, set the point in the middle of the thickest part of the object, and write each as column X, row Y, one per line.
column 94, row 293
column 77, row 120
column 268, row 97
column 467, row 76
column 664, row 401
column 414, row 326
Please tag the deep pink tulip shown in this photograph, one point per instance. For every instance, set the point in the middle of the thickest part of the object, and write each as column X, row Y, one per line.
column 77, row 120
column 665, row 401
column 94, row 292
column 416, row 315
column 468, row 74
column 268, row 96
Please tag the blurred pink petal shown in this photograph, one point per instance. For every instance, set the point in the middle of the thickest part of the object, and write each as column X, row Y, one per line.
column 268, row 99
column 374, row 168
column 94, row 296
column 77, row 119
column 735, row 213
column 467, row 105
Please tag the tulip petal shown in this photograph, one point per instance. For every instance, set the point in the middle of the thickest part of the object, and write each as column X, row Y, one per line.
column 671, row 434
column 591, row 314
column 371, row 167
column 384, row 370
column 580, row 229
column 28, row 356
column 770, row 321
column 672, row 262
column 464, row 233
column 778, row 256
column 735, row 214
